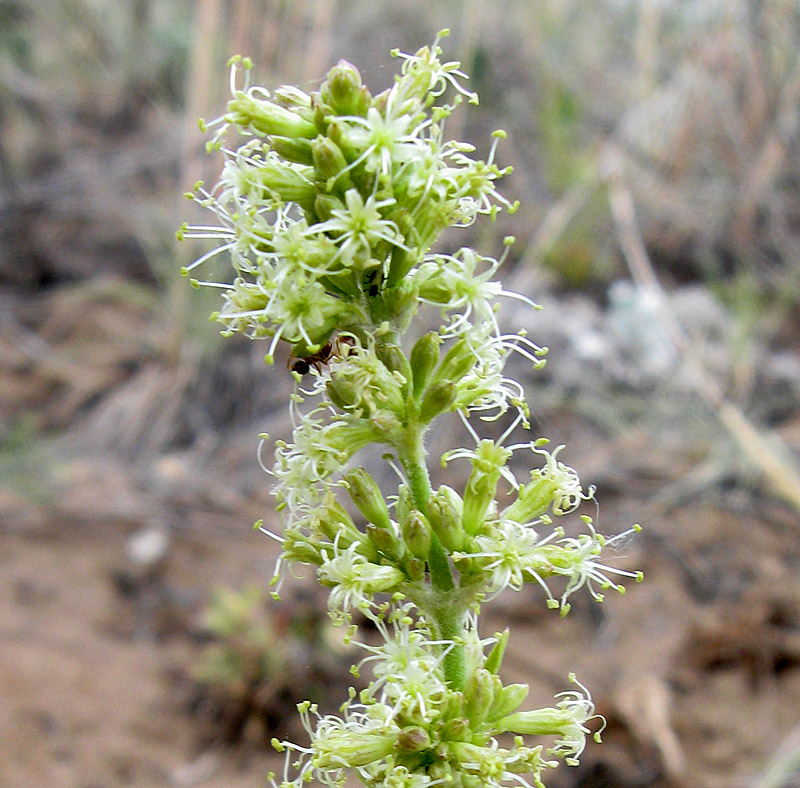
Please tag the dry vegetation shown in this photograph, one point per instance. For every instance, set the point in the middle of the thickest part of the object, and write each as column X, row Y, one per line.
column 655, row 147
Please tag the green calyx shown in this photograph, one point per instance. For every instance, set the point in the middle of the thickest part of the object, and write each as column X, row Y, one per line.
column 268, row 118
column 487, row 465
column 367, row 496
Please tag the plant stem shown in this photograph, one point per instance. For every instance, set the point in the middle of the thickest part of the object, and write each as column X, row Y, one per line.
column 448, row 611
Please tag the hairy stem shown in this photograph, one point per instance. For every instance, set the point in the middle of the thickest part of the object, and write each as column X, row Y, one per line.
column 448, row 613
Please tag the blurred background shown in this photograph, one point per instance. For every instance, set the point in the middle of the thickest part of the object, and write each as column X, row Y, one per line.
column 655, row 151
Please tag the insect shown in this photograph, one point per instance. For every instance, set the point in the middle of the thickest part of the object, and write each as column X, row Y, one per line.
column 303, row 364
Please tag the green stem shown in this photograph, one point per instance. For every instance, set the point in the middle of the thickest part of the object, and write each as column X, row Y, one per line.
column 448, row 613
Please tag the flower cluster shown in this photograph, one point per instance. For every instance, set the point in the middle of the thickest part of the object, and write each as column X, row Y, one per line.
column 329, row 205
column 409, row 728
column 336, row 199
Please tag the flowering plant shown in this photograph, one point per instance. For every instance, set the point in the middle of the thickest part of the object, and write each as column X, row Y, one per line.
column 329, row 208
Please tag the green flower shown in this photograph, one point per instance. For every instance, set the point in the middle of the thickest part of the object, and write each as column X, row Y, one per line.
column 354, row 581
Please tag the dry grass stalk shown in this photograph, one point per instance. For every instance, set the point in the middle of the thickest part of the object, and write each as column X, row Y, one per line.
column 762, row 448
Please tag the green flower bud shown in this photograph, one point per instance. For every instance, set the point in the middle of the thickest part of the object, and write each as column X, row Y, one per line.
column 538, row 722
column 404, row 503
column 266, row 117
column 287, row 184
column 416, row 532
column 395, row 360
column 344, row 91
column 435, row 290
column 294, row 149
column 386, row 426
column 353, row 748
column 336, row 519
column 458, row 361
column 401, row 263
column 532, row 501
column 424, row 358
column 367, row 496
column 479, row 693
column 341, row 283
column 414, row 739
column 294, row 99
column 329, row 162
column 453, row 706
column 325, row 205
column 342, row 393
column 386, row 543
column 400, row 305
column 480, row 491
column 381, row 100
column 322, row 114
column 439, row 398
column 336, row 525
column 338, row 133
column 507, row 700
column 455, row 729
column 444, row 515
column 301, row 549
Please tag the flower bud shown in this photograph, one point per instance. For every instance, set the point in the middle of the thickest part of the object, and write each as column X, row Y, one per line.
column 344, row 91
column 336, row 519
column 439, row 398
column 444, row 515
column 301, row 549
column 480, row 491
column 385, row 426
column 455, row 729
column 381, row 101
column 458, row 361
column 401, row 263
column 267, row 117
column 335, row 523
column 395, row 360
column 342, row 393
column 414, row 739
column 478, row 696
column 386, row 543
column 424, row 358
column 293, row 98
column 329, row 162
column 435, row 290
column 286, row 183
column 352, row 748
column 404, row 504
column 453, row 706
column 533, row 500
column 326, row 204
column 367, row 496
column 416, row 532
column 322, row 114
column 338, row 133
column 294, row 149
column 341, row 281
